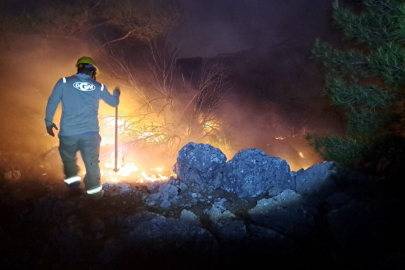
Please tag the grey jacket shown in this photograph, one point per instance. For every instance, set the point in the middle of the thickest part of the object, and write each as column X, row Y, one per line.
column 80, row 96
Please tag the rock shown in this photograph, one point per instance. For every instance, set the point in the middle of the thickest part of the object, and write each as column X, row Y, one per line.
column 16, row 174
column 165, row 204
column 200, row 164
column 172, row 240
column 230, row 232
column 267, row 242
column 135, row 220
column 168, row 191
column 108, row 186
column 316, row 180
column 12, row 175
column 190, row 217
column 284, row 213
column 219, row 212
column 251, row 173
column 124, row 191
column 167, row 195
column 122, row 186
column 154, row 187
column 150, row 202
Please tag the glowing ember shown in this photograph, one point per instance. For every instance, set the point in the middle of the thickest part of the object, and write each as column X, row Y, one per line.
column 129, row 171
column 280, row 138
column 153, row 178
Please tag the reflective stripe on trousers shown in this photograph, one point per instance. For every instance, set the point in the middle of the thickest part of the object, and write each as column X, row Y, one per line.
column 94, row 190
column 72, row 180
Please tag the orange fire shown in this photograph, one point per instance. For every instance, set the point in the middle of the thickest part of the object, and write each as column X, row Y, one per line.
column 126, row 170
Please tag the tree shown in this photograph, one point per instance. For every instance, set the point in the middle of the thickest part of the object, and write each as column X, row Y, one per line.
column 141, row 19
column 365, row 81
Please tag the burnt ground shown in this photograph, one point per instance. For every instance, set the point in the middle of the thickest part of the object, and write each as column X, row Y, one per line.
column 25, row 238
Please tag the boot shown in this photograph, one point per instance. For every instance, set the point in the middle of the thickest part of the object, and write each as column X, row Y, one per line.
column 96, row 196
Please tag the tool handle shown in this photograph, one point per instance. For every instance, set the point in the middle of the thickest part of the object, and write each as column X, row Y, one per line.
column 116, row 139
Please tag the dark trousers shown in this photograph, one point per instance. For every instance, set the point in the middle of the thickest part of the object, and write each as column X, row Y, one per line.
column 89, row 147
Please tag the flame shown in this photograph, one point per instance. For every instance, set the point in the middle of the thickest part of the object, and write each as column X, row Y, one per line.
column 153, row 178
column 280, row 138
column 209, row 126
column 129, row 171
column 125, row 170
column 301, row 154
column 107, row 129
column 150, row 137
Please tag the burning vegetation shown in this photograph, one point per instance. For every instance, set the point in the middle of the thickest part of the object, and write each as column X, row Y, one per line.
column 164, row 111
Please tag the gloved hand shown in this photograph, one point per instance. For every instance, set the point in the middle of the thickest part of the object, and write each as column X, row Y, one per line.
column 50, row 129
column 117, row 89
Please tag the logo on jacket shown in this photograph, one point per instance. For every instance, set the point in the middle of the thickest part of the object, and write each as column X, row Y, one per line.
column 84, row 86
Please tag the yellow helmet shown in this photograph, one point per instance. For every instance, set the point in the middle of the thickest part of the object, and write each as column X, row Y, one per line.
column 87, row 60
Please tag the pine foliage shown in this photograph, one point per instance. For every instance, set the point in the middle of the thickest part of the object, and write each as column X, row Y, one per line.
column 367, row 81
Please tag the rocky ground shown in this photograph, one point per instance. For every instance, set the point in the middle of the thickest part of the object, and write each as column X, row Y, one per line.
column 207, row 218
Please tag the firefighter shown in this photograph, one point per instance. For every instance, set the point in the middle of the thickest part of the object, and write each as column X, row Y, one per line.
column 79, row 128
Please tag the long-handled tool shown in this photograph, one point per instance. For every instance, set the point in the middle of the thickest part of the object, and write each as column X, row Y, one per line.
column 116, row 140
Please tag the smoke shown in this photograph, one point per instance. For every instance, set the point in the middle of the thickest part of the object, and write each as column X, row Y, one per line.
column 216, row 27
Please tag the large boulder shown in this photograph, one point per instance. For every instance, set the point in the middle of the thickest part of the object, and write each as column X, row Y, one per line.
column 316, row 180
column 200, row 164
column 251, row 173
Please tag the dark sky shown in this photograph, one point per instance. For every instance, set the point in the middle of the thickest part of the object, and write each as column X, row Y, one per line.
column 214, row 27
